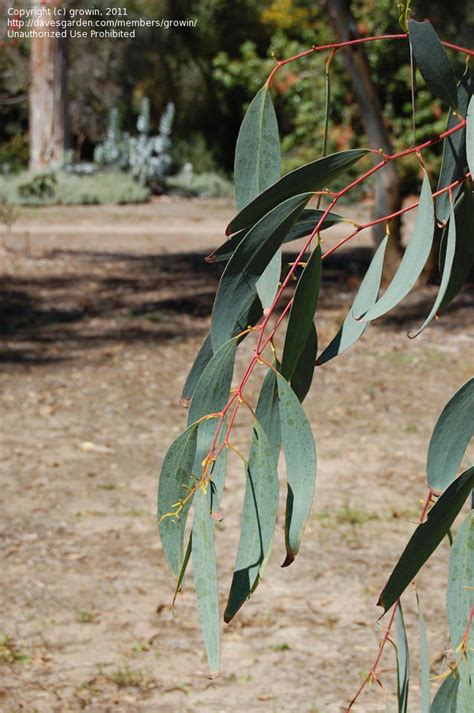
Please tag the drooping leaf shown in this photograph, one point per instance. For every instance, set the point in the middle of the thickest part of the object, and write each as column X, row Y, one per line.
column 267, row 283
column 451, row 435
column 300, row 457
column 470, row 136
column 237, row 285
column 257, row 152
column 212, row 390
column 184, row 567
column 203, row 358
column 460, row 595
column 353, row 329
column 427, row 537
column 304, row 371
column 432, row 61
column 312, row 177
column 445, row 699
column 258, row 520
column 268, row 413
column 446, row 276
column 465, row 695
column 454, row 162
column 210, row 397
column 464, row 255
column 425, row 660
column 403, row 662
column 413, row 261
column 175, row 479
column 302, row 313
column 303, row 226
column 205, row 577
column 247, row 318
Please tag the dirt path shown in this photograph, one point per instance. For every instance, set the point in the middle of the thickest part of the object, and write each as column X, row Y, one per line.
column 100, row 329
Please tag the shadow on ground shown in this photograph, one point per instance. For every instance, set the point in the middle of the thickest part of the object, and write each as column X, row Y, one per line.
column 68, row 301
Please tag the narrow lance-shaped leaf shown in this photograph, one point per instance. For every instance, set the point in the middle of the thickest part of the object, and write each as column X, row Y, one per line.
column 249, row 316
column 267, row 283
column 413, row 261
column 403, row 662
column 425, row 660
column 303, row 226
column 312, row 177
column 237, row 285
column 446, row 276
column 353, row 329
column 445, row 699
column 174, row 484
column 203, row 358
column 451, row 435
column 460, row 596
column 268, row 413
column 464, row 256
column 304, row 371
column 427, row 537
column 454, row 162
column 300, row 457
column 302, row 312
column 433, row 61
column 258, row 520
column 205, row 577
column 470, row 136
column 257, row 166
column 212, row 390
column 257, row 152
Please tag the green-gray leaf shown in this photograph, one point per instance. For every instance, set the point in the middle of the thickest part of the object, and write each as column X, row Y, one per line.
column 464, row 255
column 267, row 284
column 300, row 457
column 302, row 313
column 460, row 596
column 454, row 162
column 205, row 577
column 175, row 479
column 470, row 136
column 451, row 435
column 427, row 537
column 304, row 371
column 258, row 520
column 445, row 699
column 353, row 329
column 212, row 390
column 425, row 660
column 403, row 662
column 309, row 178
column 432, row 61
column 268, row 413
column 413, row 261
column 249, row 316
column 237, row 285
column 446, row 276
column 303, row 226
column 257, row 152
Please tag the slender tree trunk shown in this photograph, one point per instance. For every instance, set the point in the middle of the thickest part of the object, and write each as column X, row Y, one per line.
column 387, row 187
column 48, row 111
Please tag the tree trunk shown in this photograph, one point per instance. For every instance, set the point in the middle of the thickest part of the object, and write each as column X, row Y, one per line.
column 48, row 111
column 387, row 186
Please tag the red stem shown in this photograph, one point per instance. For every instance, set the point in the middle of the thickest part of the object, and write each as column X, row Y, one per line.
column 348, row 43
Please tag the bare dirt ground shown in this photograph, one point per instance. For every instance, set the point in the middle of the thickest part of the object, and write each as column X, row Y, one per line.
column 103, row 310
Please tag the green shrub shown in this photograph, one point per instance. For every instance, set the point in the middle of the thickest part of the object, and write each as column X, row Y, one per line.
column 105, row 187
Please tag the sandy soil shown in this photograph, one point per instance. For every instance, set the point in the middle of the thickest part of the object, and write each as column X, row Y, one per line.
column 102, row 312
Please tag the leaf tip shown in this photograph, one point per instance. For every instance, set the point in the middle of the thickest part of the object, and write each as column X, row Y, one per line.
column 211, row 258
column 290, row 557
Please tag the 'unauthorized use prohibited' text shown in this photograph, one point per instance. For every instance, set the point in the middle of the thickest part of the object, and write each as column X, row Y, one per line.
column 59, row 21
